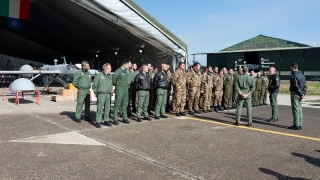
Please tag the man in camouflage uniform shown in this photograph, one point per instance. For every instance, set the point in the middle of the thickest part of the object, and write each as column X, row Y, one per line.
column 194, row 80
column 257, row 92
column 202, row 88
column 187, row 97
column 218, row 92
column 207, row 83
column 235, row 93
column 214, row 76
column 228, row 89
column 179, row 82
column 264, row 91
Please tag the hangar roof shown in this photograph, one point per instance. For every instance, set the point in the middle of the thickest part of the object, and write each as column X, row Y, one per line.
column 81, row 29
column 264, row 42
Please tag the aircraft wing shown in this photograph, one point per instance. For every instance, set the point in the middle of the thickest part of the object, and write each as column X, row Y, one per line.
column 30, row 72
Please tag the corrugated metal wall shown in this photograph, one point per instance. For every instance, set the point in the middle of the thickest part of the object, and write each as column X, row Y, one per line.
column 308, row 60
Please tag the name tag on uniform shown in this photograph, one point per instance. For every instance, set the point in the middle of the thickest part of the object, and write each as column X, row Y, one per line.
column 102, row 77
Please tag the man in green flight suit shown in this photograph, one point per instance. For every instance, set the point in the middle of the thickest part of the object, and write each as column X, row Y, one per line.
column 121, row 81
column 245, row 87
column 82, row 81
column 102, row 87
column 131, row 86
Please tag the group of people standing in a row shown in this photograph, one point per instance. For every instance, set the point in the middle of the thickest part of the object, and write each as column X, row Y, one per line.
column 149, row 88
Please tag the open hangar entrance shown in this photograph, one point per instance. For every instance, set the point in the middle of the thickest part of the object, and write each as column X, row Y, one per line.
column 93, row 31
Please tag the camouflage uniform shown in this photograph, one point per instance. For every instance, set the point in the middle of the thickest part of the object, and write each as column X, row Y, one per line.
column 194, row 80
column 214, row 76
column 179, row 81
column 202, row 89
column 264, row 92
column 207, row 84
column 228, row 90
column 218, row 92
column 257, row 91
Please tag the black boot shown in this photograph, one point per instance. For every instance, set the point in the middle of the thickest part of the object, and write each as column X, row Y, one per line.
column 216, row 109
column 220, row 108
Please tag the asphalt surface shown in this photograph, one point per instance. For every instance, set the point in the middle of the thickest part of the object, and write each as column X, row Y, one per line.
column 44, row 142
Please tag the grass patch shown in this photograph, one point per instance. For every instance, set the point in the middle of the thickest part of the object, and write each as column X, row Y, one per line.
column 313, row 88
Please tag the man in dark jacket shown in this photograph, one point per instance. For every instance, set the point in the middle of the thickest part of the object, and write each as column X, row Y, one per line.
column 273, row 88
column 143, row 86
column 298, row 91
column 161, row 84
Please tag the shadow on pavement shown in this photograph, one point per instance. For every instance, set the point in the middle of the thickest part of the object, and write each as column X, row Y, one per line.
column 71, row 115
column 22, row 101
column 279, row 176
column 258, row 120
column 309, row 159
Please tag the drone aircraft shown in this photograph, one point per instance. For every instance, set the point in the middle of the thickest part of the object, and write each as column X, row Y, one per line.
column 54, row 72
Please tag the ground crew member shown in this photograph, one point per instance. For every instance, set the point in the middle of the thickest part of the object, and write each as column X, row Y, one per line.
column 194, row 80
column 102, row 87
column 121, row 81
column 235, row 93
column 257, row 92
column 273, row 88
column 218, row 91
column 228, row 89
column 264, row 92
column 82, row 81
column 143, row 87
column 179, row 82
column 298, row 91
column 245, row 87
column 161, row 84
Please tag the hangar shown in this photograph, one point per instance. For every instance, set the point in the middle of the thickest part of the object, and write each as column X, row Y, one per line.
column 261, row 52
column 98, row 31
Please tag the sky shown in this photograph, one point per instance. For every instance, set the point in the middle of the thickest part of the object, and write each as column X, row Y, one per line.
column 212, row 25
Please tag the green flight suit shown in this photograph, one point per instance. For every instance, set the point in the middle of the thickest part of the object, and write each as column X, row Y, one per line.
column 264, row 91
column 134, row 93
column 161, row 102
column 82, row 81
column 102, row 87
column 244, row 84
column 151, row 94
column 121, row 81
column 228, row 90
column 235, row 93
column 257, row 91
column 130, row 90
column 143, row 101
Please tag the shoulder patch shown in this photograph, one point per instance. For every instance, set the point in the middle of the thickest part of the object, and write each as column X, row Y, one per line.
column 116, row 73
